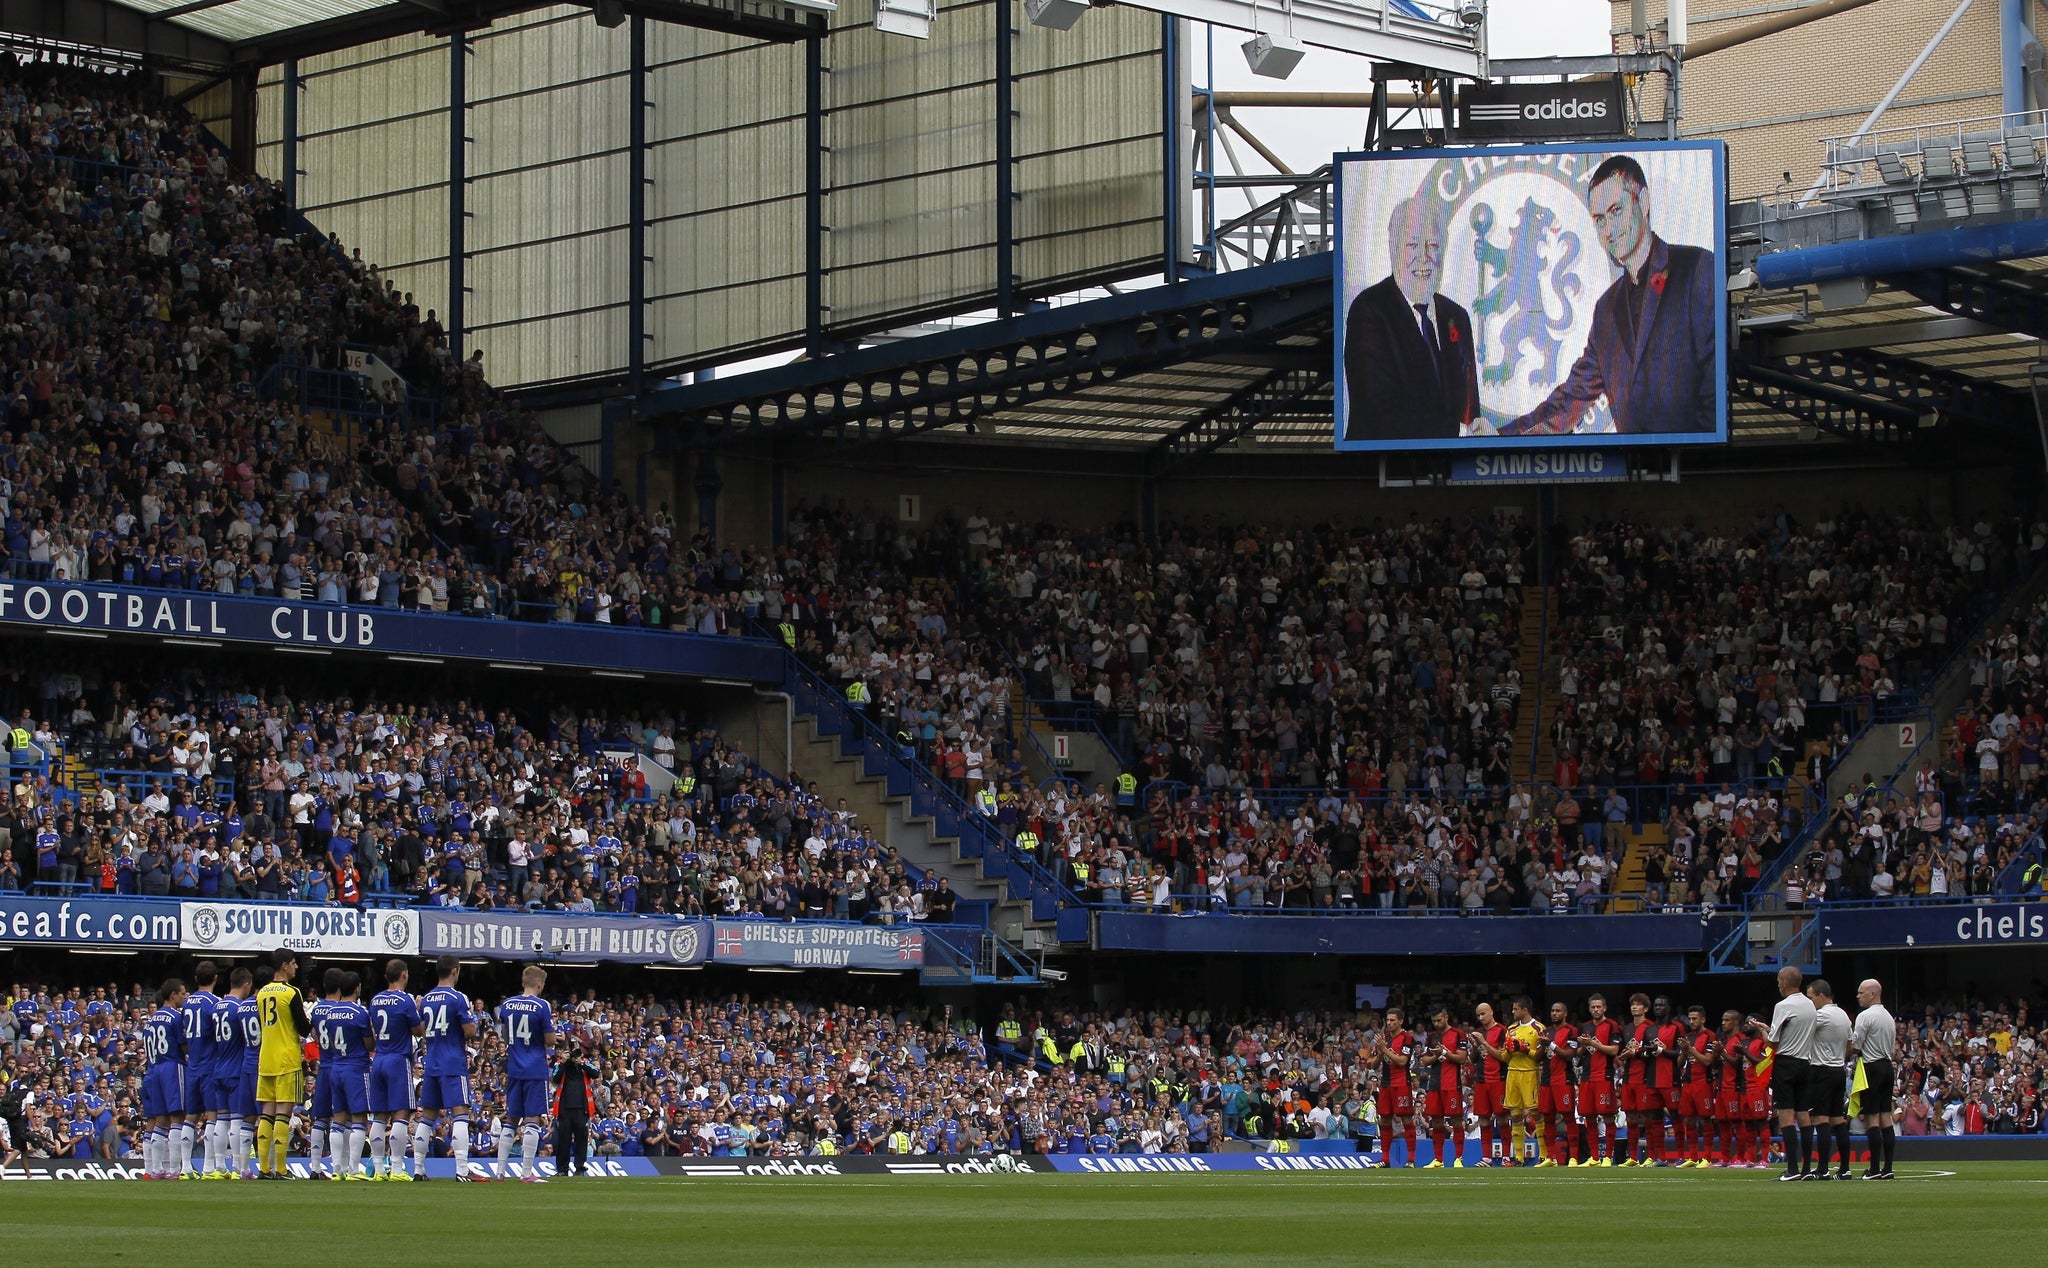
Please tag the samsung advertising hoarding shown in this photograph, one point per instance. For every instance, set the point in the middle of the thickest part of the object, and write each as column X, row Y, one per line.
column 1532, row 297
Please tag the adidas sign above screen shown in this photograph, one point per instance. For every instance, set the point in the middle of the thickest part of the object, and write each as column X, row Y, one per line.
column 1517, row 112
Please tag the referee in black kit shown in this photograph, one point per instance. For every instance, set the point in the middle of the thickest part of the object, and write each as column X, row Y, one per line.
column 1827, row 1082
column 1876, row 1040
column 1792, row 1027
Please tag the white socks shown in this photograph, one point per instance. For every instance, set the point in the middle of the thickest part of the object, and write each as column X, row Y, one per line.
column 422, row 1142
column 244, row 1134
column 337, row 1148
column 379, row 1147
column 216, row 1145
column 504, row 1151
column 398, row 1140
column 460, row 1146
column 182, row 1136
column 358, row 1134
column 152, row 1152
column 529, row 1137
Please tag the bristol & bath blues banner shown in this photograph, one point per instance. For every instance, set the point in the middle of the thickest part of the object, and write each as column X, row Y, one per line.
column 504, row 935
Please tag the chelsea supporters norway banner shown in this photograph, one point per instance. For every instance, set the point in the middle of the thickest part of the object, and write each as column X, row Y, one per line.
column 558, row 936
column 818, row 946
column 314, row 930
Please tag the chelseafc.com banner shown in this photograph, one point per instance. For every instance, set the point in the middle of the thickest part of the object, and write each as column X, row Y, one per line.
column 1531, row 297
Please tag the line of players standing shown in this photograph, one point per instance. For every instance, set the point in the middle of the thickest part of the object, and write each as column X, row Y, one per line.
column 1547, row 1094
column 222, row 1080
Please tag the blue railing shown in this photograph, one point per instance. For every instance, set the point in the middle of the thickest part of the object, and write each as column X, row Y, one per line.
column 137, row 783
column 1203, row 903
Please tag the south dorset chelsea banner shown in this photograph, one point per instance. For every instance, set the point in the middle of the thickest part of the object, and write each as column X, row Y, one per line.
column 312, row 930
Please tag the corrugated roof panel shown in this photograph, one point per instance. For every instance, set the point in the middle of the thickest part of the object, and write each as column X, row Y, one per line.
column 253, row 19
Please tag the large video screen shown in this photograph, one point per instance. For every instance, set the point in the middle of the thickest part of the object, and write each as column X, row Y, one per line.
column 1532, row 297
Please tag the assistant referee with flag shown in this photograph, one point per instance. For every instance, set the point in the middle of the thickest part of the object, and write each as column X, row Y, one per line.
column 1875, row 1041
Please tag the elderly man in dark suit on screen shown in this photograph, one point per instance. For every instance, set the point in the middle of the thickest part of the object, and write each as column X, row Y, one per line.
column 1408, row 363
column 1651, row 350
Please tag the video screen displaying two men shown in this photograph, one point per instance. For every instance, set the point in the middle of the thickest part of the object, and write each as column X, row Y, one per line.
column 1542, row 296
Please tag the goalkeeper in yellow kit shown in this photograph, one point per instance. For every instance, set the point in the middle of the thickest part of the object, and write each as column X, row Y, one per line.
column 280, row 1063
column 1524, row 1041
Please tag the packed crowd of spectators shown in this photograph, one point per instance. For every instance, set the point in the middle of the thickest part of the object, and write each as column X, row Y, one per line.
column 150, row 290
column 240, row 793
column 1972, row 1068
column 1690, row 657
column 735, row 1074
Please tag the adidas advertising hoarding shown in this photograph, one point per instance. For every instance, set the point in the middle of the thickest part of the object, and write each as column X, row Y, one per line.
column 1533, row 297
column 1541, row 112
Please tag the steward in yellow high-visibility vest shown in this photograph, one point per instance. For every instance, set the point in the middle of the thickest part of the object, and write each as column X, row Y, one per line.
column 857, row 694
column 1126, row 789
column 985, row 801
column 1008, row 1032
column 788, row 633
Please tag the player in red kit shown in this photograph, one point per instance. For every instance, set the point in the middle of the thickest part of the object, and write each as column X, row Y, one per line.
column 1557, row 1097
column 1695, row 1112
column 1664, row 1078
column 1728, row 1072
column 1444, row 1058
column 1397, row 1053
column 1758, row 1059
column 1489, row 1086
column 1636, row 1093
column 1600, row 1041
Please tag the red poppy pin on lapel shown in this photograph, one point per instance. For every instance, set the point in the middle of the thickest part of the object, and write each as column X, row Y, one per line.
column 1658, row 279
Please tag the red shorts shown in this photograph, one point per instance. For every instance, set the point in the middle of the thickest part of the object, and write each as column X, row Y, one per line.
column 1756, row 1105
column 1596, row 1098
column 1728, row 1106
column 1555, row 1098
column 1659, row 1099
column 1696, row 1100
column 1445, row 1104
column 1397, row 1103
column 1634, row 1096
column 1486, row 1099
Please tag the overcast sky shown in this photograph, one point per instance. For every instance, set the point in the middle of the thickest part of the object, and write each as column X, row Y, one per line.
column 1307, row 138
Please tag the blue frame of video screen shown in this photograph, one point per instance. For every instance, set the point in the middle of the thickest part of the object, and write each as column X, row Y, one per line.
column 1531, row 307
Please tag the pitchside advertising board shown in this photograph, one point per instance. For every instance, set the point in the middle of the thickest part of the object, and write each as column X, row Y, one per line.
column 1503, row 300
column 309, row 930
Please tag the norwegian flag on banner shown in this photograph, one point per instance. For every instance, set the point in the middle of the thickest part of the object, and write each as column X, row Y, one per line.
column 732, row 944
column 910, row 948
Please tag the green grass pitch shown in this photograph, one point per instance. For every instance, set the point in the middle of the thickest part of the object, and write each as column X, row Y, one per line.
column 1947, row 1213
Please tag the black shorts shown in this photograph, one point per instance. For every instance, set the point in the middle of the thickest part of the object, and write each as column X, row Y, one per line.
column 1789, row 1082
column 1878, row 1088
column 1827, row 1091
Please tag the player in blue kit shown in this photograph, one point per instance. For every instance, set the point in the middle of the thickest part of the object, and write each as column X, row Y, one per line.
column 529, row 1028
column 163, row 1080
column 199, row 1012
column 342, row 1027
column 395, row 1021
column 222, row 1081
column 448, row 1023
column 321, row 1107
column 236, row 1071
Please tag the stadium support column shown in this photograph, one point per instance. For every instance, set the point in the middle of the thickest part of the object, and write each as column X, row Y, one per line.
column 814, row 192
column 458, row 176
column 707, row 488
column 1006, row 161
column 288, row 132
column 636, row 212
column 1170, row 85
column 1546, row 527
column 242, row 119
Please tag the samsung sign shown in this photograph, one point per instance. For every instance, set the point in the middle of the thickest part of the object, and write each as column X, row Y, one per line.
column 1541, row 112
column 188, row 616
column 1591, row 466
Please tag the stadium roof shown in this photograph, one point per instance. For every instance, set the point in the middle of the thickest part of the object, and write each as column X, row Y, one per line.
column 1251, row 363
column 262, row 32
